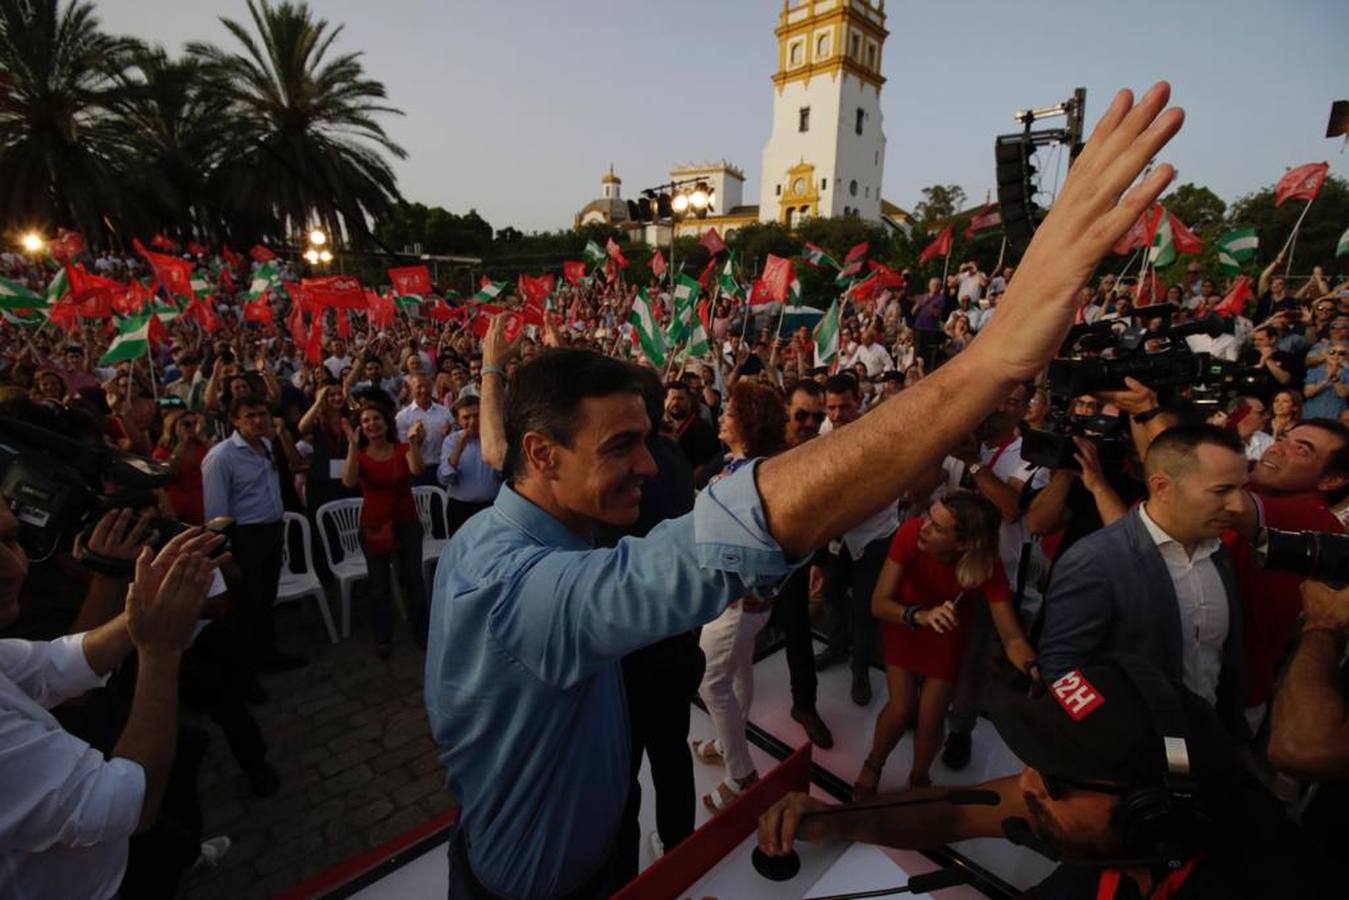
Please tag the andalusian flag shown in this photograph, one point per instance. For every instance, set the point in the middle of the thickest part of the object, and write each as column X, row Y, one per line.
column 727, row 281
column 201, row 287
column 699, row 342
column 407, row 301
column 489, row 291
column 132, row 341
column 1170, row 239
column 594, row 252
column 263, row 279
column 826, row 337
column 17, row 317
column 1237, row 249
column 648, row 330
column 817, row 257
column 14, row 295
column 685, row 309
column 59, row 286
column 1342, row 248
column 166, row 311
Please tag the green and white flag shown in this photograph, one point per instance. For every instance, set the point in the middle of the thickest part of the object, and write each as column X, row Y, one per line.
column 794, row 292
column 649, row 335
column 1163, row 252
column 1342, row 248
column 699, row 344
column 201, row 287
column 817, row 257
column 489, row 291
column 1237, row 249
column 132, row 341
column 166, row 312
column 14, row 295
column 685, row 310
column 263, row 279
column 408, row 301
column 594, row 252
column 14, row 317
column 727, row 281
column 826, row 337
column 58, row 287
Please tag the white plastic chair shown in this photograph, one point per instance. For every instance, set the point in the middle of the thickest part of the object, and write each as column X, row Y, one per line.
column 346, row 561
column 431, row 502
column 296, row 585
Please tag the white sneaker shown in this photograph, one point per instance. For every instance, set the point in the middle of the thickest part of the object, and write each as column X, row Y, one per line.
column 657, row 845
column 212, row 851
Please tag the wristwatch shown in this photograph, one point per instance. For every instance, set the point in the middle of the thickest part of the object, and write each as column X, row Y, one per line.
column 974, row 468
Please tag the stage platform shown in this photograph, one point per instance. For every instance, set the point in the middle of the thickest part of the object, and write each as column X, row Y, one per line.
column 415, row 865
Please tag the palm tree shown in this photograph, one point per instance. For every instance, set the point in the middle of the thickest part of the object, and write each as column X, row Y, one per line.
column 306, row 146
column 59, row 146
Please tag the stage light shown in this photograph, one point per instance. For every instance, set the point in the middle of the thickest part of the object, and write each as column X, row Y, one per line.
column 32, row 242
column 698, row 199
column 325, row 256
column 317, row 237
column 311, row 257
column 680, row 204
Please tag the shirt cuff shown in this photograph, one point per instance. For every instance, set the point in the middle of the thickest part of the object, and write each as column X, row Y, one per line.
column 730, row 533
column 71, row 667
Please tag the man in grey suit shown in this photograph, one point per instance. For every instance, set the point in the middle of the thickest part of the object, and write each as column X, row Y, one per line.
column 1159, row 583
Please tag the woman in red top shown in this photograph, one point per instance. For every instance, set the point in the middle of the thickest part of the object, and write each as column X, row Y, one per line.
column 391, row 532
column 183, row 447
column 938, row 564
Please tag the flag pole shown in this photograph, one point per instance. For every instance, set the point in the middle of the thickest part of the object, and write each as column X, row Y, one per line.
column 1292, row 238
column 997, row 267
column 150, row 359
column 945, row 268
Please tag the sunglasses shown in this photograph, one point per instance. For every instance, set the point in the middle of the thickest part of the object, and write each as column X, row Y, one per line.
column 802, row 415
column 1056, row 784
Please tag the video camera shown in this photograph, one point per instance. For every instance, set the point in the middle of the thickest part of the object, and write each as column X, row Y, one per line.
column 58, row 485
column 1054, row 447
column 1323, row 556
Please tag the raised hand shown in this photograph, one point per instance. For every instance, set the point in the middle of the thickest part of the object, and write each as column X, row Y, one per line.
column 1092, row 211
column 161, row 615
column 496, row 350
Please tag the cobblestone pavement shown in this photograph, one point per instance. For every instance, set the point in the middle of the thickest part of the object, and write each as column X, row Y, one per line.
column 349, row 737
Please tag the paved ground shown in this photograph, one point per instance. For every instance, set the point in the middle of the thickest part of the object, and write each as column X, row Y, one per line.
column 348, row 734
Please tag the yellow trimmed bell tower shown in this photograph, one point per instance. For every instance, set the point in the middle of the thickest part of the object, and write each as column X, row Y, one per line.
column 826, row 112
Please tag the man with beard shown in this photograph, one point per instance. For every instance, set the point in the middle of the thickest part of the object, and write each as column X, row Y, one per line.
column 1130, row 782
column 695, row 437
column 1159, row 582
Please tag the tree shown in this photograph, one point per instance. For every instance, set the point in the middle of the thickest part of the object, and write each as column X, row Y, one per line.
column 1320, row 230
column 59, row 145
column 306, row 146
column 940, row 201
column 1198, row 207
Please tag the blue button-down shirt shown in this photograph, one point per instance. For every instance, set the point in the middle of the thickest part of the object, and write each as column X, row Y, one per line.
column 473, row 480
column 524, row 687
column 239, row 482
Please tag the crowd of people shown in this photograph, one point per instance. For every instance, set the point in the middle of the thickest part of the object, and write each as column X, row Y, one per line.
column 886, row 498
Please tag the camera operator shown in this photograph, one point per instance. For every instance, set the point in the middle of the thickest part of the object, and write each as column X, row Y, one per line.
column 67, row 813
column 1130, row 783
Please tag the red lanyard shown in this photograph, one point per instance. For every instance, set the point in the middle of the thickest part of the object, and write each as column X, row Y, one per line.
column 1110, row 879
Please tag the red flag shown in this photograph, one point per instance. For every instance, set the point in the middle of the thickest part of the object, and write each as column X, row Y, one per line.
column 161, row 242
column 857, row 252
column 658, row 265
column 574, row 271
column 411, row 280
column 133, row 299
column 232, row 259
column 440, row 311
column 261, row 253
column 226, row 279
column 66, row 245
column 259, row 310
column 705, row 278
column 777, row 275
column 313, row 345
column 1303, row 183
column 1235, row 301
column 91, row 295
column 758, row 293
column 535, row 288
column 206, row 317
column 341, row 291
column 1135, row 237
column 615, row 253
column 713, row 242
column 295, row 323
column 889, row 278
column 1186, row 241
column 343, row 323
column 62, row 314
column 610, row 270
column 940, row 247
column 171, row 272
column 867, row 288
column 382, row 309
column 195, row 249
column 486, row 313
column 990, row 217
column 573, row 314
column 1148, row 291
column 705, row 314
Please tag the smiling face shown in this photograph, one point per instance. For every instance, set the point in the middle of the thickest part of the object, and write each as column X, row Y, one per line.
column 599, row 478
column 373, row 426
column 1298, row 462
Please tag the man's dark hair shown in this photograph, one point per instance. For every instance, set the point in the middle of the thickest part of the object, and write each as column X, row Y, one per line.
column 464, row 402
column 843, row 384
column 1174, row 450
column 807, row 387
column 246, row 401
column 678, row 386
column 544, row 394
column 1338, row 464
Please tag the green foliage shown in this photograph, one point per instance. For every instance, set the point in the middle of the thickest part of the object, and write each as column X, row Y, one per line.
column 1316, row 238
column 1196, row 206
column 940, row 201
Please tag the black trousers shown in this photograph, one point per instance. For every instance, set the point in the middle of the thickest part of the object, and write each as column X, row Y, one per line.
column 407, row 559
column 791, row 613
column 158, row 857
column 215, row 680
column 660, row 681
column 853, row 623
column 257, row 553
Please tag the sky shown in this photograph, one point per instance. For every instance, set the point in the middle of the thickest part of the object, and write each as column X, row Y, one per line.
column 516, row 107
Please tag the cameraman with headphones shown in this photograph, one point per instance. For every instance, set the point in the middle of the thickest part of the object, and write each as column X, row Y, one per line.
column 1131, row 783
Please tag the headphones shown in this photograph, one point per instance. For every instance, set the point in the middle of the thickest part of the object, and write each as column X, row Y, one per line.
column 1162, row 822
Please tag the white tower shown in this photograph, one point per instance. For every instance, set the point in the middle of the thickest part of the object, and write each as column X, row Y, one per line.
column 611, row 185
column 826, row 154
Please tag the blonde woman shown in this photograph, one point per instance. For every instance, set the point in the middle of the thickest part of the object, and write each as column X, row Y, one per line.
column 938, row 565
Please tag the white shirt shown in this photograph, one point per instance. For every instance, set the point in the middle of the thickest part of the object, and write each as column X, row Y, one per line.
column 436, row 421
column 1224, row 346
column 66, row 813
column 875, row 357
column 970, row 286
column 1203, row 608
column 1008, row 466
column 1257, row 444
column 335, row 365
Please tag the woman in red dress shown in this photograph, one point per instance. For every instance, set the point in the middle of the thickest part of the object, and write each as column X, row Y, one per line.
column 938, row 565
column 391, row 532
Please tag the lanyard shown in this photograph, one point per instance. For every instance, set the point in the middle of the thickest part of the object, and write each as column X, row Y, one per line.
column 1110, row 880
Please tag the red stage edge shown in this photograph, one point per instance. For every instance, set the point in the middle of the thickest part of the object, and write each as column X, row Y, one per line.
column 325, row 883
column 679, row 868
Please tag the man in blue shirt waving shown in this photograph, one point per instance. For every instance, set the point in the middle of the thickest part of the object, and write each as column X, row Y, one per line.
column 530, row 621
